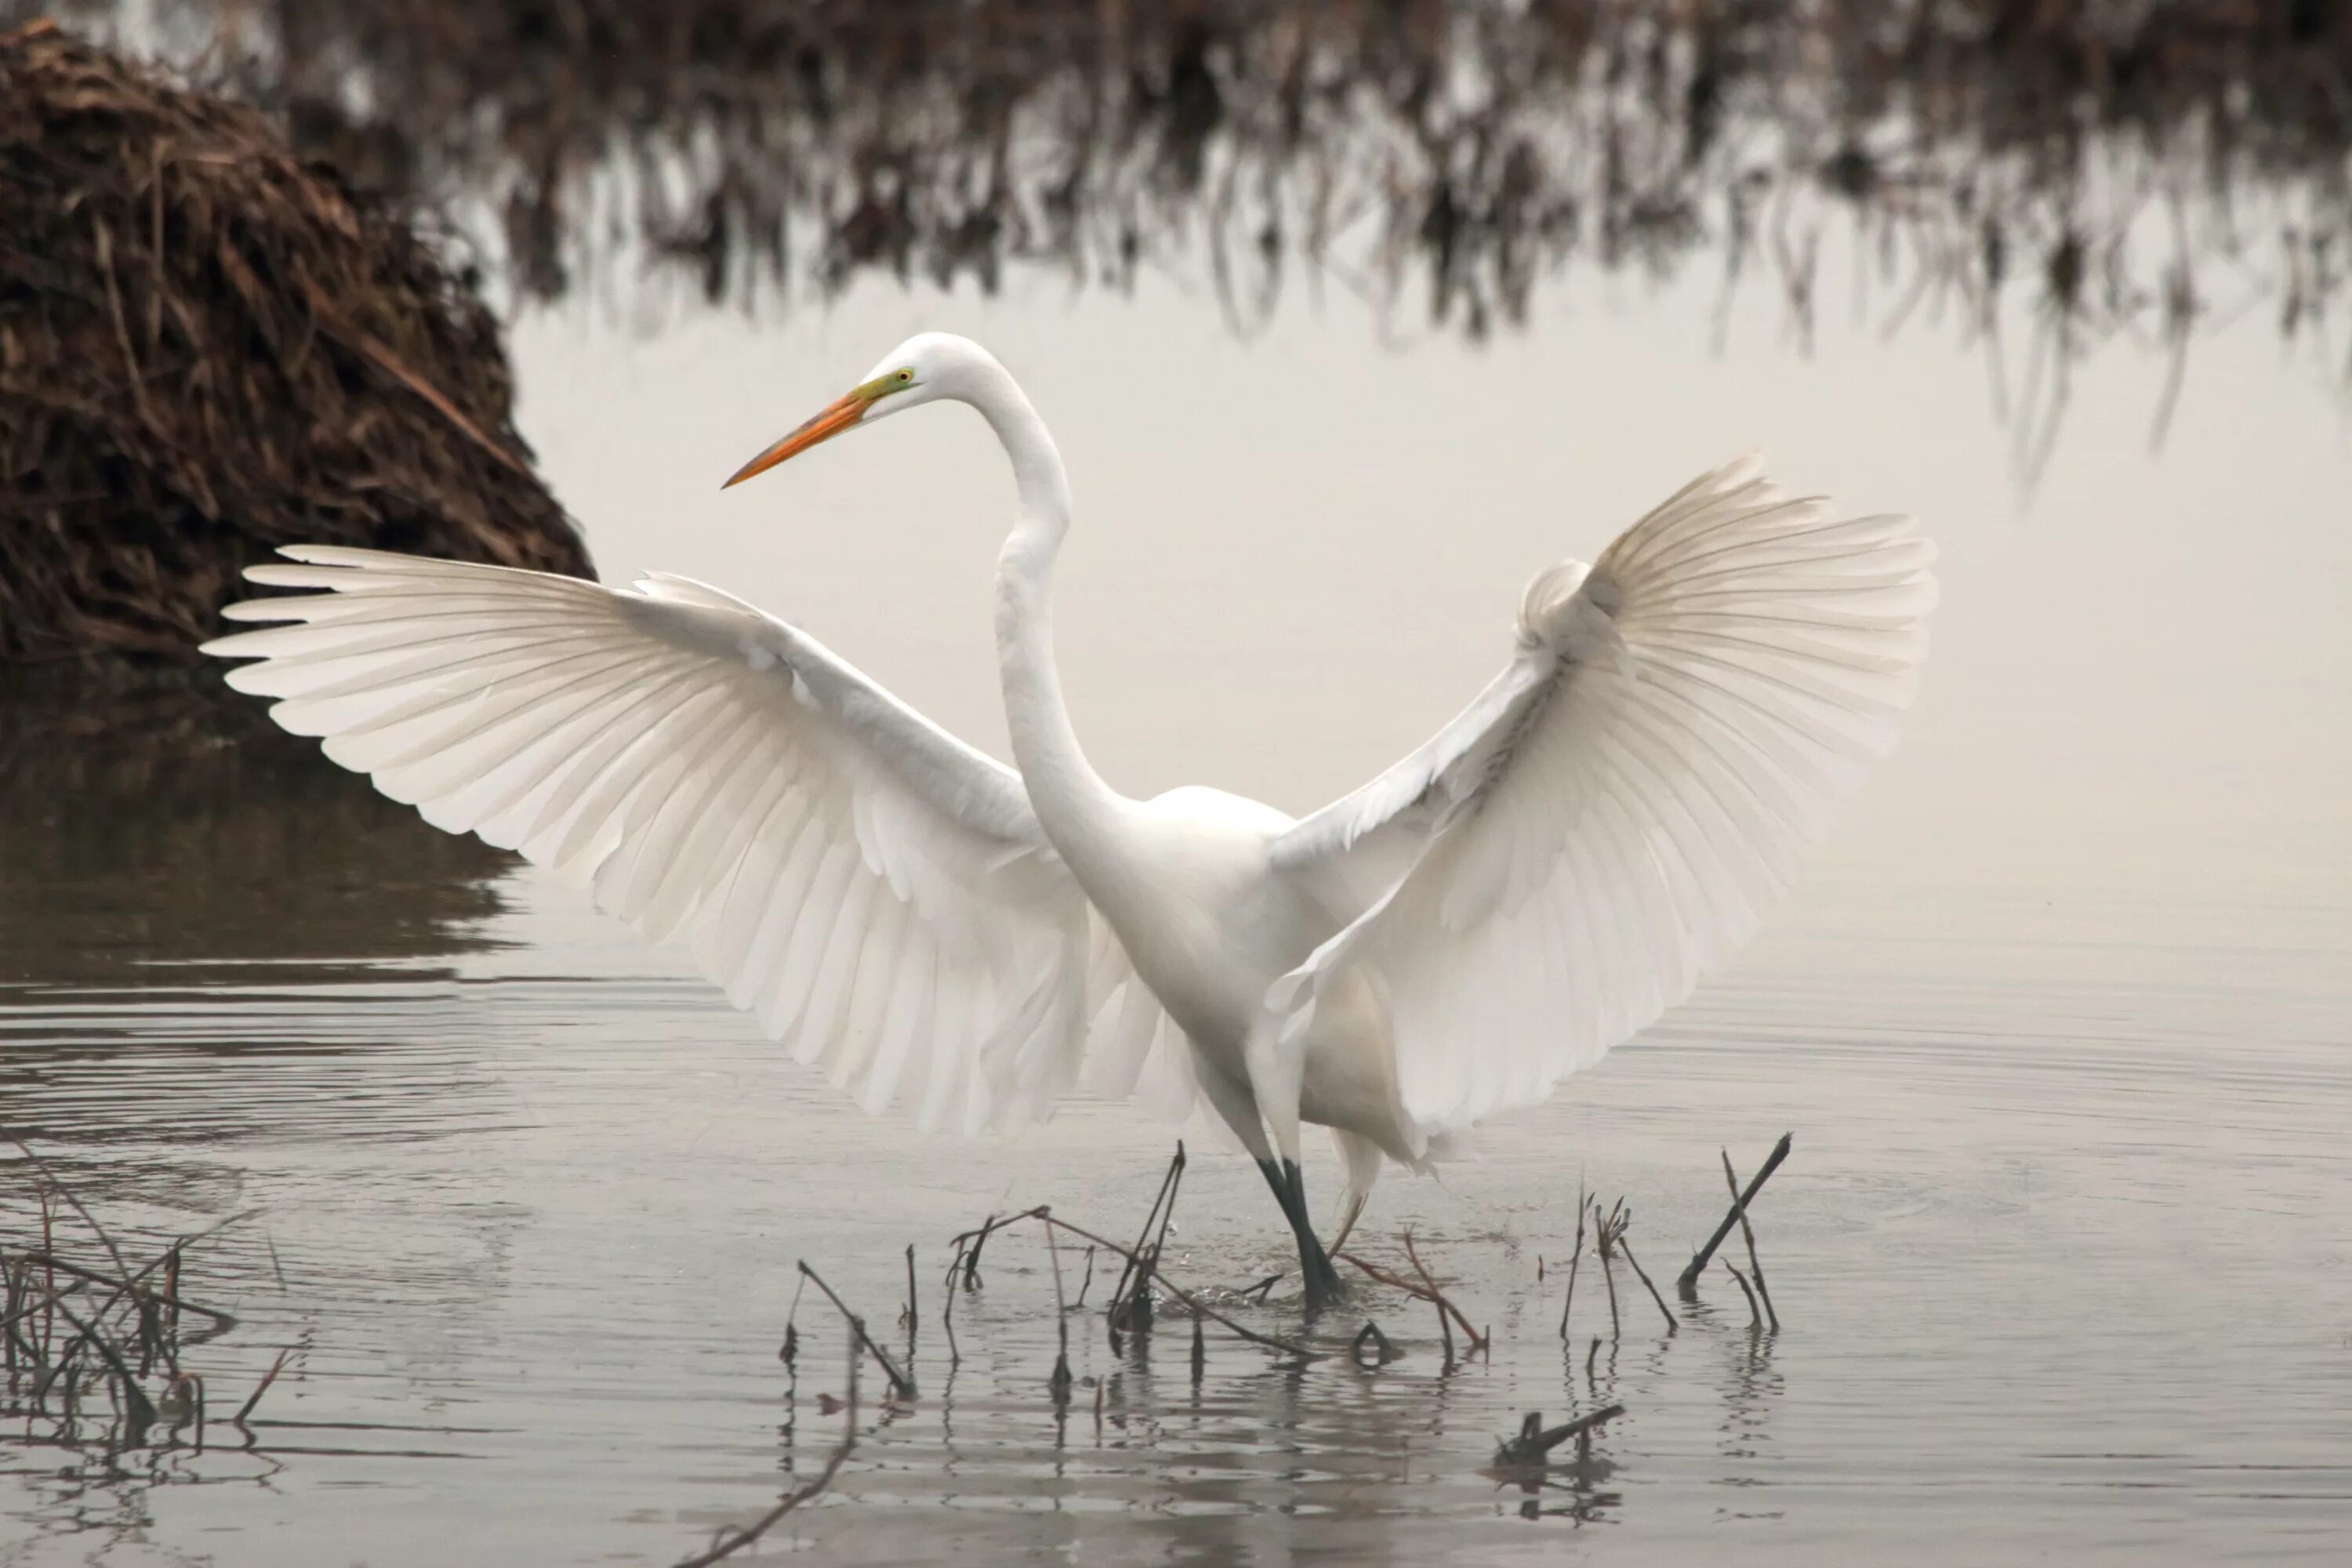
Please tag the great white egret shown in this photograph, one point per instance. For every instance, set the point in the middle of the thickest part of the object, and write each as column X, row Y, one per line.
column 1544, row 877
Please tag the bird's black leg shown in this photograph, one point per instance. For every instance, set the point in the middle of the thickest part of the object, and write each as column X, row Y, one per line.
column 1322, row 1281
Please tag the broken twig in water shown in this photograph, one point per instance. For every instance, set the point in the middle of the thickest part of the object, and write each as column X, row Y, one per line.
column 262, row 1388
column 966, row 1249
column 733, row 1539
column 900, row 1384
column 1755, row 1264
column 1443, row 1327
column 1130, row 1301
column 1686, row 1283
column 1383, row 1353
column 1415, row 1289
column 1755, row 1318
column 1532, row 1447
column 1626, row 1248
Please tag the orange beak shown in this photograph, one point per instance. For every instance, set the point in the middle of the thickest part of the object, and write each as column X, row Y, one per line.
column 836, row 417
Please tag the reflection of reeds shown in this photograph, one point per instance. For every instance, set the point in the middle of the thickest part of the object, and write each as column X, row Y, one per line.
column 1446, row 157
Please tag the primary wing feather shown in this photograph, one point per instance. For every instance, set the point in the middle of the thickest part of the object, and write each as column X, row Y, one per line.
column 876, row 891
column 1558, row 866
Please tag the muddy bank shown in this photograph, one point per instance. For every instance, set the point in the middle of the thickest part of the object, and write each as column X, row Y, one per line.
column 210, row 346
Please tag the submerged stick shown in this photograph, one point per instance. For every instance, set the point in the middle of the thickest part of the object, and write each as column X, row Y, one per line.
column 899, row 1381
column 1627, row 1247
column 1686, row 1283
column 1533, row 1445
column 1383, row 1353
column 1755, row 1264
column 1575, row 1256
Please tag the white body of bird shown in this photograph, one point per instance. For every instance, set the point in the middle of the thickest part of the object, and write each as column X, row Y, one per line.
column 1541, row 879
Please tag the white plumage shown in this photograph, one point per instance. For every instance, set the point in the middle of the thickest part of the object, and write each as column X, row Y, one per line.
column 1546, row 876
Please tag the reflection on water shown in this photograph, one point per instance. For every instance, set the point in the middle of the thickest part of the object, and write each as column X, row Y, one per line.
column 160, row 831
column 194, row 902
column 2128, row 175
column 2061, row 1256
column 547, row 1331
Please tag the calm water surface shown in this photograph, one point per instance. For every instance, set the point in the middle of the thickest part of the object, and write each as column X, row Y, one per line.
column 2061, row 1019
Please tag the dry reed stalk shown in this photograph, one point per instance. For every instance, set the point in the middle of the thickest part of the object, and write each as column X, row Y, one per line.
column 900, row 1383
column 1575, row 1257
column 1755, row 1264
column 1686, row 1283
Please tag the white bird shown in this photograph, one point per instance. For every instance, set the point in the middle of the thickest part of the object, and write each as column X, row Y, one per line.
column 1547, row 875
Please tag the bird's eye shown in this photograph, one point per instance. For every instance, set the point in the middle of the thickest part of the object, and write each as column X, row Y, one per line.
column 905, row 376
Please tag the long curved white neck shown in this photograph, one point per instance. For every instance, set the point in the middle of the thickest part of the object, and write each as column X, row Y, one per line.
column 1080, row 813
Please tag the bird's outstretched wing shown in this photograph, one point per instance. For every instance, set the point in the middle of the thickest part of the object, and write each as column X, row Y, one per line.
column 876, row 891
column 1556, row 867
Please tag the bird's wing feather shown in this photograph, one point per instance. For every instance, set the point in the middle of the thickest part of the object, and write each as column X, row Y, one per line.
column 1612, row 814
column 876, row 891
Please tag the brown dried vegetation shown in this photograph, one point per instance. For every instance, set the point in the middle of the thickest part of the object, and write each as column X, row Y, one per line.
column 208, row 348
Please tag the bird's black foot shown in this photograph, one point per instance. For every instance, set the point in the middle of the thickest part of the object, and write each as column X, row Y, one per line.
column 1324, row 1288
